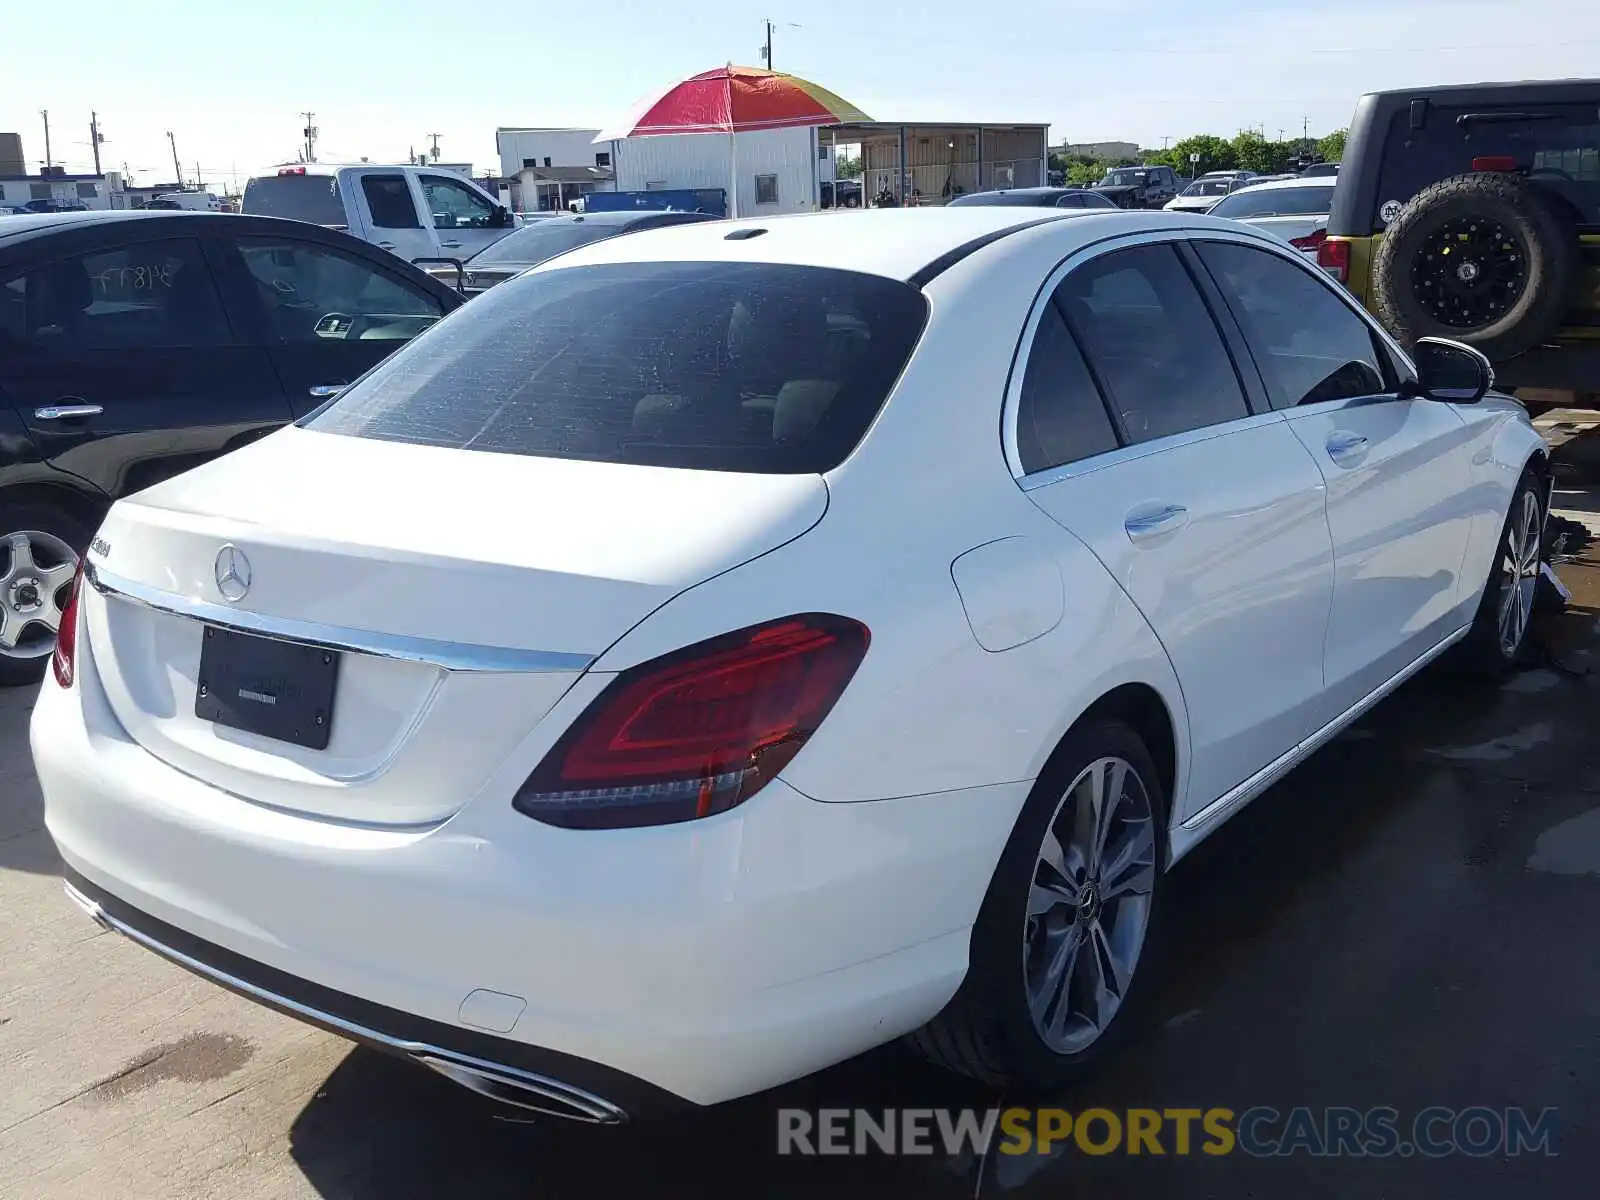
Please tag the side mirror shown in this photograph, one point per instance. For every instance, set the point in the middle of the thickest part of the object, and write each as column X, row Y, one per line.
column 1450, row 371
column 501, row 218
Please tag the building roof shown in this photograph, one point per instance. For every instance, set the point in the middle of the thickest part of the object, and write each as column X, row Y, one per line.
column 569, row 174
column 886, row 128
column 91, row 177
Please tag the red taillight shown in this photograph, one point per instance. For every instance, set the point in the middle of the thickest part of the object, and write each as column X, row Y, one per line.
column 291, row 170
column 699, row 730
column 1334, row 258
column 64, row 660
column 1311, row 241
column 1494, row 162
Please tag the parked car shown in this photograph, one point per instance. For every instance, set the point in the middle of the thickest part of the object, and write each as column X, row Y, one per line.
column 1200, row 195
column 1471, row 212
column 1319, row 170
column 1039, row 197
column 531, row 246
column 1138, row 187
column 9, row 210
column 189, row 201
column 135, row 345
column 414, row 212
column 1295, row 209
column 615, row 713
column 843, row 193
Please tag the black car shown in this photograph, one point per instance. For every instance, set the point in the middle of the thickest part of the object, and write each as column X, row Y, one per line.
column 135, row 345
column 533, row 244
column 1038, row 197
column 1139, row 187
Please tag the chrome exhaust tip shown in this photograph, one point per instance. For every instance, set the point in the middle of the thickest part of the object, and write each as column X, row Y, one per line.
column 90, row 908
column 524, row 1090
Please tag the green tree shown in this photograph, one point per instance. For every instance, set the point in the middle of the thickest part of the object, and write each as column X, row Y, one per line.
column 1332, row 147
column 849, row 168
column 1215, row 154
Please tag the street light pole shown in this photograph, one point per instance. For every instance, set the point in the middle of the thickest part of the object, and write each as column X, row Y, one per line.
column 48, row 161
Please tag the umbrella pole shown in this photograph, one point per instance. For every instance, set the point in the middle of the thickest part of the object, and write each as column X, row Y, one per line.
column 733, row 175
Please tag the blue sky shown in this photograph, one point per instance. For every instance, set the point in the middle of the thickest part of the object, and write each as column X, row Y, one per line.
column 229, row 77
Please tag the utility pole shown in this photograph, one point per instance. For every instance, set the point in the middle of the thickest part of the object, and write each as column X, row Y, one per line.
column 766, row 47
column 95, row 138
column 48, row 161
column 199, row 187
column 173, row 142
column 310, row 134
column 1305, row 132
column 434, row 138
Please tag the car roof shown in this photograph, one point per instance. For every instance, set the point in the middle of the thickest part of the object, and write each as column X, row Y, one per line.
column 45, row 223
column 899, row 243
column 1556, row 88
column 1298, row 181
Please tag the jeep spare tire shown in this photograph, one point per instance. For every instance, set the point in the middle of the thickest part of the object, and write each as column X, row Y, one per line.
column 1483, row 258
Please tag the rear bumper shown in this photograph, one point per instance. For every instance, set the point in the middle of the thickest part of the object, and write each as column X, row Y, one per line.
column 685, row 963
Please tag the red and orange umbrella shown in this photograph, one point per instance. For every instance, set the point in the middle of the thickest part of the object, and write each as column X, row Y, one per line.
column 734, row 100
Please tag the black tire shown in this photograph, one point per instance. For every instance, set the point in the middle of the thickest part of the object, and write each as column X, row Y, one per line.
column 1484, row 651
column 32, row 516
column 986, row 1031
column 1521, row 318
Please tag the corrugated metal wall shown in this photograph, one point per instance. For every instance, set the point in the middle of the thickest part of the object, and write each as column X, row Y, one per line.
column 700, row 160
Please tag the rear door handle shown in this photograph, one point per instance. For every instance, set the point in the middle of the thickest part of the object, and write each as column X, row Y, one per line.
column 1346, row 449
column 66, row 412
column 322, row 391
column 385, row 245
column 1148, row 523
column 451, row 245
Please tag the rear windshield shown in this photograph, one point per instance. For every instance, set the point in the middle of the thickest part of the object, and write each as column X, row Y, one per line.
column 543, row 240
column 313, row 198
column 1208, row 187
column 753, row 367
column 1275, row 202
column 1017, row 199
column 1555, row 145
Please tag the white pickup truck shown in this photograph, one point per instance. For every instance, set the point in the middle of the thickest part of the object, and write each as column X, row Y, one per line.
column 414, row 212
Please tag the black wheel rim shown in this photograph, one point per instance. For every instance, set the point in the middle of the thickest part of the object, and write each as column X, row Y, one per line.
column 1470, row 272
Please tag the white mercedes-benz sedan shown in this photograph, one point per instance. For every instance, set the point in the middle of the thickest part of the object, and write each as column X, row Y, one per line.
column 722, row 650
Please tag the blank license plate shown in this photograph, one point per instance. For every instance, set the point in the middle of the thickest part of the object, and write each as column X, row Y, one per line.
column 280, row 690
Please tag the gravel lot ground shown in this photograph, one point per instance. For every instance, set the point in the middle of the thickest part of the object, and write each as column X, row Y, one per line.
column 1408, row 921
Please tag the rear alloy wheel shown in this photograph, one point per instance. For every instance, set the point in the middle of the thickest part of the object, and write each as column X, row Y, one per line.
column 1090, row 904
column 37, row 564
column 1063, row 943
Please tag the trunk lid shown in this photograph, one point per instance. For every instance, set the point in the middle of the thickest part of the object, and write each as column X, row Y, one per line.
column 474, row 586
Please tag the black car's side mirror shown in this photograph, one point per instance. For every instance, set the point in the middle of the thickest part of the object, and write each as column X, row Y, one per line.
column 1450, row 371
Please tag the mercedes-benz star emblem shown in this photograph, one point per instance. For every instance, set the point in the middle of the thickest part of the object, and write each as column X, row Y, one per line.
column 233, row 573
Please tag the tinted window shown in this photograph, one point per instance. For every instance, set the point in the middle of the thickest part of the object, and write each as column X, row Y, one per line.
column 1070, row 200
column 1559, row 150
column 1153, row 342
column 389, row 200
column 1308, row 344
column 1090, row 200
column 990, row 199
column 313, row 198
column 312, row 293
column 1275, row 202
column 148, row 294
column 1060, row 416
column 454, row 205
column 547, row 239
column 754, row 367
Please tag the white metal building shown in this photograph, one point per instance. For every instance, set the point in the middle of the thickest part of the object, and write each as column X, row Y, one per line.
column 549, row 147
column 777, row 170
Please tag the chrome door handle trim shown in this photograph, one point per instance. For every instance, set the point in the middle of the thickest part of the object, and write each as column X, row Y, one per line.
column 1148, row 524
column 65, row 412
column 322, row 391
column 451, row 245
column 385, row 245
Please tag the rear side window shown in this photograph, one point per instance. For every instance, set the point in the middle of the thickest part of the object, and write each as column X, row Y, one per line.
column 389, row 200
column 145, row 295
column 1556, row 145
column 1276, row 202
column 1152, row 342
column 1309, row 345
column 312, row 198
column 752, row 367
column 1060, row 416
